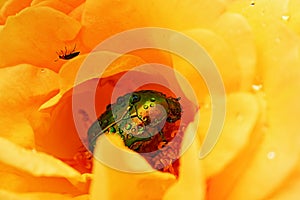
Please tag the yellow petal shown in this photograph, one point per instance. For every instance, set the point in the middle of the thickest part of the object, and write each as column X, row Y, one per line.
column 12, row 7
column 22, row 176
column 280, row 148
column 177, row 15
column 40, row 164
column 108, row 182
column 7, row 195
column 289, row 188
column 292, row 17
column 258, row 11
column 24, row 44
column 235, row 29
column 220, row 52
column 15, row 180
column 242, row 115
column 32, row 196
column 191, row 182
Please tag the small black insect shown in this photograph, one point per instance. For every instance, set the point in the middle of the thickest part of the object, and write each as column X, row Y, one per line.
column 64, row 55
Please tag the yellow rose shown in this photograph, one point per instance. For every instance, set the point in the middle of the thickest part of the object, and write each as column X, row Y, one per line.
column 254, row 44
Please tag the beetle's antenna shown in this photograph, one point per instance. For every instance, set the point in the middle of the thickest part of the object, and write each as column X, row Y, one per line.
column 74, row 48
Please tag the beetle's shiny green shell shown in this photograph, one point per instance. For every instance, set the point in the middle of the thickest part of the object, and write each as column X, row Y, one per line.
column 136, row 117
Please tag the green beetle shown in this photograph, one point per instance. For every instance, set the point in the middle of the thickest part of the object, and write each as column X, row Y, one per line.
column 137, row 117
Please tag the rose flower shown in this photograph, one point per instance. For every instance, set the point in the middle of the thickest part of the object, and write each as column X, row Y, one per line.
column 47, row 155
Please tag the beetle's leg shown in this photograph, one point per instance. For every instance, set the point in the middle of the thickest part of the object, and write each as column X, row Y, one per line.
column 112, row 124
column 162, row 136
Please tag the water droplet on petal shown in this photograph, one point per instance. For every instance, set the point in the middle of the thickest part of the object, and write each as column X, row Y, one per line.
column 145, row 106
column 252, row 3
column 239, row 117
column 43, row 70
column 271, row 155
column 257, row 87
column 285, row 17
column 128, row 126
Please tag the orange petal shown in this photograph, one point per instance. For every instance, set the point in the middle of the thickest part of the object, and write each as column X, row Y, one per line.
column 191, row 173
column 121, row 63
column 70, row 70
column 55, row 4
column 17, row 130
column 12, row 7
column 106, row 18
column 108, row 182
column 77, row 12
column 24, row 44
column 103, row 19
column 30, row 87
column 72, row 3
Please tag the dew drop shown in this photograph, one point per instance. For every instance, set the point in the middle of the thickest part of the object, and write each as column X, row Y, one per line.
column 285, row 17
column 129, row 136
column 252, row 3
column 271, row 155
column 145, row 106
column 206, row 106
column 43, row 70
column 257, row 87
column 128, row 126
column 277, row 40
column 112, row 130
column 140, row 128
column 239, row 117
column 152, row 99
column 152, row 104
